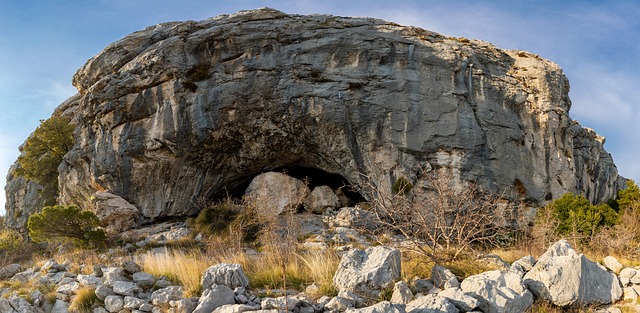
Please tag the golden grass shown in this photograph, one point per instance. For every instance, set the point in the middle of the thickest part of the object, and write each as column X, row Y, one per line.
column 178, row 266
column 84, row 300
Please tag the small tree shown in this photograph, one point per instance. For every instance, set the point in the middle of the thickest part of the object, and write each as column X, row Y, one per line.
column 43, row 152
column 65, row 223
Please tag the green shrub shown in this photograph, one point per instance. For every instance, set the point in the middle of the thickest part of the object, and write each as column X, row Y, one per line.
column 576, row 216
column 42, row 153
column 402, row 186
column 217, row 218
column 10, row 241
column 65, row 224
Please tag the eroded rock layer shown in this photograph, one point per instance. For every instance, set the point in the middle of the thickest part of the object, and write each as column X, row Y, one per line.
column 179, row 113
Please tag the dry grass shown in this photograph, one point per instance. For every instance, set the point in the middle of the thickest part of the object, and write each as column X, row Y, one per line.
column 178, row 266
column 84, row 300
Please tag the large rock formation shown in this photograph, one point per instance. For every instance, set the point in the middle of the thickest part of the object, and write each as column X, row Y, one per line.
column 186, row 111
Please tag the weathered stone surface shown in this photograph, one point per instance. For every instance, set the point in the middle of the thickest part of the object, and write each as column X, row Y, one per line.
column 332, row 93
column 355, row 217
column 89, row 281
column 381, row 307
column 567, row 278
column 498, row 291
column 230, row 275
column 144, row 280
column 10, row 270
column 234, row 308
column 114, row 303
column 125, row 288
column 133, row 302
column 431, row 304
column 114, row 212
column 280, row 303
column 366, row 272
column 213, row 298
column 320, row 199
column 272, row 193
column 164, row 295
column 613, row 264
column 464, row 302
column 443, row 278
column 401, row 293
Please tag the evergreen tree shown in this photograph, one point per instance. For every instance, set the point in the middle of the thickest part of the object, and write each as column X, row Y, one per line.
column 43, row 152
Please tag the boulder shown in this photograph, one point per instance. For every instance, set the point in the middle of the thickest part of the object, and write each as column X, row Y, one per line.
column 498, row 291
column 367, row 272
column 381, row 307
column 213, row 298
column 339, row 304
column 10, row 270
column 463, row 301
column 613, row 264
column 165, row 295
column 280, row 303
column 443, row 278
column 144, row 280
column 114, row 212
column 431, row 304
column 355, row 217
column 566, row 278
column 525, row 263
column 114, row 303
column 401, row 293
column 130, row 267
column 133, row 303
column 125, row 288
column 321, row 199
column 235, row 308
column 273, row 193
column 626, row 275
column 230, row 275
column 89, row 281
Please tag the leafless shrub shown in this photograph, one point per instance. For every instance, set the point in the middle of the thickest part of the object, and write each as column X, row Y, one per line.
column 439, row 219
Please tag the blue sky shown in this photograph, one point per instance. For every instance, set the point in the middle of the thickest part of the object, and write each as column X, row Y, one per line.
column 597, row 43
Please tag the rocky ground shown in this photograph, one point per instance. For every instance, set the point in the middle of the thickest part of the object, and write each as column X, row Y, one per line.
column 561, row 276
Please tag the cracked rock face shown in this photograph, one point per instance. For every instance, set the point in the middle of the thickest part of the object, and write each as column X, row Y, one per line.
column 185, row 111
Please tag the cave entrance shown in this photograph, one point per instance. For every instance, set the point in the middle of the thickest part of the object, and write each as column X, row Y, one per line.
column 314, row 177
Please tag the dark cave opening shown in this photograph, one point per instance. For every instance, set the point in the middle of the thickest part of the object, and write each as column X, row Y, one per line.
column 314, row 177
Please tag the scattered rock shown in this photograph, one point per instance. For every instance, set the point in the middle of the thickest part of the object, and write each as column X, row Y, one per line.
column 213, row 298
column 321, row 199
column 498, row 291
column 275, row 193
column 430, row 304
column 381, row 307
column 567, row 278
column 164, row 295
column 114, row 212
column 368, row 271
column 230, row 275
column 114, row 303
column 464, row 302
column 613, row 264
column 443, row 278
column 401, row 293
column 10, row 270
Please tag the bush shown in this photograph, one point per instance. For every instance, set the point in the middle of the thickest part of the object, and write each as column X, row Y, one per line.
column 217, row 218
column 441, row 221
column 578, row 218
column 43, row 152
column 65, row 223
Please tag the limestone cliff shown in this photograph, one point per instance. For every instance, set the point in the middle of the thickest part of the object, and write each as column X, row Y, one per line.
column 184, row 111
